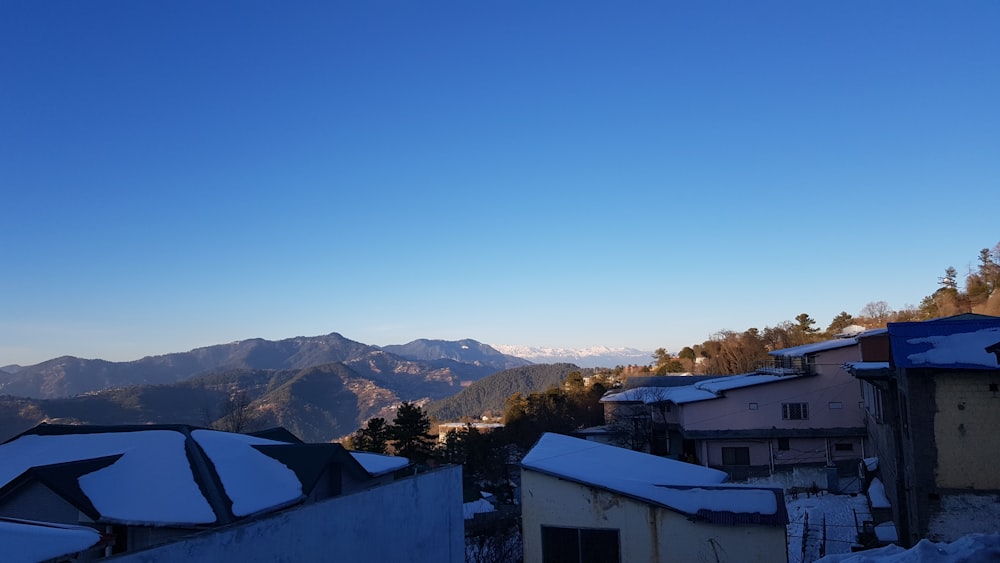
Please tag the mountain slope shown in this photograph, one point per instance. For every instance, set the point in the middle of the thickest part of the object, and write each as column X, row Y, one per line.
column 490, row 394
column 67, row 376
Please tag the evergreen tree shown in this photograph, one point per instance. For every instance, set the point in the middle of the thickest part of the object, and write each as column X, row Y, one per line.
column 409, row 433
column 374, row 437
column 839, row 323
column 950, row 278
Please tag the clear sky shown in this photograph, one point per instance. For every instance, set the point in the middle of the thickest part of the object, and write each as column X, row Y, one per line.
column 545, row 173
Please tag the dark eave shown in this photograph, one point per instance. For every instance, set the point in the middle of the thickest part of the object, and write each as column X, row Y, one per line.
column 768, row 433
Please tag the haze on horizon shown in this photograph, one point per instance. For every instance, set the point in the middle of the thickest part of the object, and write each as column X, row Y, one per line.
column 570, row 174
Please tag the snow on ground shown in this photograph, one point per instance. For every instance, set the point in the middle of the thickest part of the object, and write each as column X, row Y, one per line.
column 975, row 548
column 810, row 514
column 844, row 513
column 965, row 514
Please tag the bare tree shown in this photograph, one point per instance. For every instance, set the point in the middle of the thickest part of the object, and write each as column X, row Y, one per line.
column 877, row 313
column 237, row 414
column 499, row 541
column 634, row 425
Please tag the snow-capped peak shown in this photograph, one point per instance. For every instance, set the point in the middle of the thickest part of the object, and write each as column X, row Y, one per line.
column 591, row 356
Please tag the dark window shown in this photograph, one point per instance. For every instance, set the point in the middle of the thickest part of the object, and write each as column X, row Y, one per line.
column 783, row 444
column 795, row 411
column 579, row 545
column 993, row 387
column 735, row 456
column 120, row 539
column 753, row 406
column 843, row 447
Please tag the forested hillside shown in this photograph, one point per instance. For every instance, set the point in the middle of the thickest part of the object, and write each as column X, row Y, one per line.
column 489, row 395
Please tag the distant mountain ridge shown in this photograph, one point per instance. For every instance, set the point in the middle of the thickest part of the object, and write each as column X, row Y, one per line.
column 67, row 376
column 465, row 351
column 321, row 388
column 591, row 357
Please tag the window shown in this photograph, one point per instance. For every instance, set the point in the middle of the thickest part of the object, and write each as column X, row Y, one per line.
column 783, row 444
column 753, row 406
column 579, row 545
column 843, row 447
column 795, row 411
column 735, row 456
column 836, row 405
column 873, row 401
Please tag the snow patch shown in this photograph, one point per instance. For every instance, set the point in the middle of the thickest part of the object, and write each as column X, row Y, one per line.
column 243, row 470
column 959, row 348
column 23, row 541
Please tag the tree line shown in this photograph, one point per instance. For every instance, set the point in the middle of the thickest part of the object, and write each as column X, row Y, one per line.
column 731, row 352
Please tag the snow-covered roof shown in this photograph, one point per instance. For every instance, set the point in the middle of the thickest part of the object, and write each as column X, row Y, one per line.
column 945, row 343
column 806, row 349
column 683, row 487
column 252, row 480
column 851, row 330
column 701, row 391
column 171, row 475
column 24, row 541
column 378, row 464
column 648, row 395
column 481, row 506
column 152, row 482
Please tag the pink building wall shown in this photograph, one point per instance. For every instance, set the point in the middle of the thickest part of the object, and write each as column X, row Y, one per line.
column 760, row 406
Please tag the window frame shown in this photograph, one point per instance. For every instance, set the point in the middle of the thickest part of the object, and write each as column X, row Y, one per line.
column 587, row 548
column 735, row 454
column 794, row 411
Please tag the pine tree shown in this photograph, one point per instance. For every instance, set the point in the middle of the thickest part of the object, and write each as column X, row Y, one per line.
column 374, row 437
column 409, row 433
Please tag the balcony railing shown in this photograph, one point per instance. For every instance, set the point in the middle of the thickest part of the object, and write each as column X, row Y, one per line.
column 785, row 365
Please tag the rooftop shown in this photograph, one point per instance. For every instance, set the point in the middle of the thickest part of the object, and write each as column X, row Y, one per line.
column 172, row 475
column 682, row 487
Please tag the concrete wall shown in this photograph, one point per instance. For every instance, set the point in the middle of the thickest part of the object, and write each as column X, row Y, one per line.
column 416, row 519
column 968, row 415
column 646, row 533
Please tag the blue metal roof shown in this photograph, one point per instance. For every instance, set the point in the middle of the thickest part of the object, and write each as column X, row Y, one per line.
column 958, row 343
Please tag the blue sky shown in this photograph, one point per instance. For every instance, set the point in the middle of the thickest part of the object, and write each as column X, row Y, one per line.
column 643, row 174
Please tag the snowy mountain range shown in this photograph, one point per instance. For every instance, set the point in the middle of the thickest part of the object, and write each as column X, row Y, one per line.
column 592, row 357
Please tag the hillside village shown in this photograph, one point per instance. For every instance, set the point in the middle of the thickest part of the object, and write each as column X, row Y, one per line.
column 898, row 419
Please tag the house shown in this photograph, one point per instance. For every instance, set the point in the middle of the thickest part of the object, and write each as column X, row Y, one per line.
column 583, row 501
column 801, row 409
column 932, row 402
column 145, row 487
